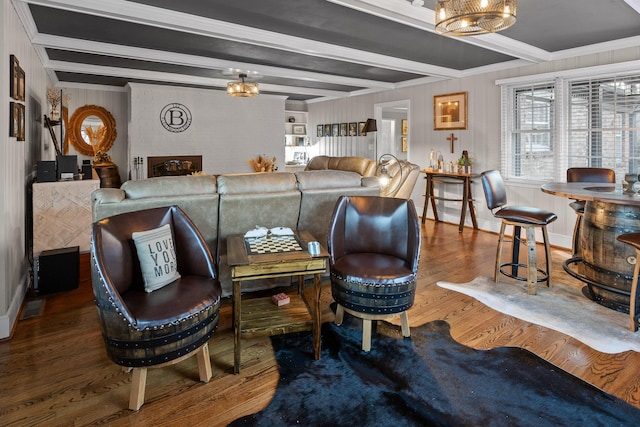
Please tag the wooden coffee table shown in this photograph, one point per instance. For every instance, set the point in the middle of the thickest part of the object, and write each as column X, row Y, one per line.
column 261, row 316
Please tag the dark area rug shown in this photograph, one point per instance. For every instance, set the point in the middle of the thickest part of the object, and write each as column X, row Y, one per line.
column 426, row 380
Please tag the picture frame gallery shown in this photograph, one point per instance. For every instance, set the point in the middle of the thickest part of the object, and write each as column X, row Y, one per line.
column 17, row 91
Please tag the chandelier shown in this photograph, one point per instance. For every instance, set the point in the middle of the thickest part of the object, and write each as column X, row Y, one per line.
column 472, row 17
column 242, row 88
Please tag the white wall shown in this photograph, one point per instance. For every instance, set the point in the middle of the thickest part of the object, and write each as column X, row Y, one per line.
column 226, row 131
column 18, row 159
column 481, row 139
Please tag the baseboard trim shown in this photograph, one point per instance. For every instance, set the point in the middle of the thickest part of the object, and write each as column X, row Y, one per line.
column 8, row 320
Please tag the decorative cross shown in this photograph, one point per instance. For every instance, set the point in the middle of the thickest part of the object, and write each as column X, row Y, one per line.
column 452, row 139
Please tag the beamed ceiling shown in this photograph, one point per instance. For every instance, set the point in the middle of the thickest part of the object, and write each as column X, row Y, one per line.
column 307, row 50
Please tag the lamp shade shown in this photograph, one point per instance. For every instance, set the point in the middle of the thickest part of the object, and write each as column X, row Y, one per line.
column 370, row 126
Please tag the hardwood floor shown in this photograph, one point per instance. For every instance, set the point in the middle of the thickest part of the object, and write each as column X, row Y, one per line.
column 55, row 370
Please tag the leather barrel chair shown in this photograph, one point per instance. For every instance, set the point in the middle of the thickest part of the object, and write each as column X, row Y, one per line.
column 142, row 329
column 374, row 246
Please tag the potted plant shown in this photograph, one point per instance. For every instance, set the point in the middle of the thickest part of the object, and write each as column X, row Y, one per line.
column 464, row 163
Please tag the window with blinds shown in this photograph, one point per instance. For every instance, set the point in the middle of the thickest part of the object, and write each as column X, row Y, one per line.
column 529, row 151
column 549, row 127
column 604, row 124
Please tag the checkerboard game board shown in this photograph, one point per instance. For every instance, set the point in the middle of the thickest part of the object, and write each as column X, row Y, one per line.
column 272, row 244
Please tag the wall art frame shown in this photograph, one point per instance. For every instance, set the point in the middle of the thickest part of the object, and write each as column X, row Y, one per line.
column 319, row 129
column 405, row 144
column 14, row 66
column 298, row 129
column 16, row 121
column 405, row 127
column 450, row 111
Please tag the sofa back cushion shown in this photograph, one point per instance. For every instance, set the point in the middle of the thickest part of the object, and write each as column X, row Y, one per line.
column 268, row 199
column 169, row 186
column 320, row 191
column 314, row 179
column 361, row 165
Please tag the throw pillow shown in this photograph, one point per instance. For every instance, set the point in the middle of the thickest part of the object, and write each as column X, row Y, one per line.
column 157, row 255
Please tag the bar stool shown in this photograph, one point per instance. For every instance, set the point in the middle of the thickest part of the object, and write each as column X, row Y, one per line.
column 519, row 217
column 633, row 239
column 602, row 175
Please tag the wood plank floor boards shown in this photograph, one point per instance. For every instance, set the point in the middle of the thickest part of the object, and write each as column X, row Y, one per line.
column 54, row 370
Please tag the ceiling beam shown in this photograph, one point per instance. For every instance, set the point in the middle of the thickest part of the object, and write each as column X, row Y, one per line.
column 177, row 21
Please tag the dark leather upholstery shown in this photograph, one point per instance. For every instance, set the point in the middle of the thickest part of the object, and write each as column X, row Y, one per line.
column 496, row 195
column 591, row 175
column 374, row 243
column 140, row 328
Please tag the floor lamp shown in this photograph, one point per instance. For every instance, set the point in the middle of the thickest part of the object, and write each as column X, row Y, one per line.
column 370, row 126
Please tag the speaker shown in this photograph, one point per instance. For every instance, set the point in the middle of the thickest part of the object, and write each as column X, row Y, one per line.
column 87, row 171
column 67, row 165
column 57, row 270
column 46, row 171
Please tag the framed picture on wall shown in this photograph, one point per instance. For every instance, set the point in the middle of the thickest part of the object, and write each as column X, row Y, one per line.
column 335, row 129
column 361, row 128
column 13, row 119
column 405, row 127
column 327, row 130
column 405, row 144
column 353, row 129
column 14, row 66
column 16, row 121
column 21, row 118
column 319, row 129
column 450, row 111
column 343, row 129
column 298, row 129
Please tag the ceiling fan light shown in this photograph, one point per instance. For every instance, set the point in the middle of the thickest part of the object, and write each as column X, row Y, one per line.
column 473, row 17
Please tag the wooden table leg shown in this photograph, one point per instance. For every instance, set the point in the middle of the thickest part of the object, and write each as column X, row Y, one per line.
column 425, row 208
column 465, row 199
column 316, row 315
column 237, row 300
column 472, row 209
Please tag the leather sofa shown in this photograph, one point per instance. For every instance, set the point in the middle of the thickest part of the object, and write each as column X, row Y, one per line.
column 400, row 186
column 233, row 204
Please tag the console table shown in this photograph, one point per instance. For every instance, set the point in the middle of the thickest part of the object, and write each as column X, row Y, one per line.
column 464, row 179
column 260, row 316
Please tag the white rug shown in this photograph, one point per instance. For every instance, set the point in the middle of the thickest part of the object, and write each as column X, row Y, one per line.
column 562, row 308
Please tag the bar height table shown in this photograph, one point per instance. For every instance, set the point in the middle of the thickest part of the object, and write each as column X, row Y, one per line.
column 465, row 179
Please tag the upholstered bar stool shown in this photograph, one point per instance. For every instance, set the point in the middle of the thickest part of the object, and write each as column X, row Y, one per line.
column 519, row 217
column 633, row 239
column 595, row 175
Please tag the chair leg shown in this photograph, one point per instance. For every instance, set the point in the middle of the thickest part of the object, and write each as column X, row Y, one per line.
column 532, row 265
column 204, row 363
column 339, row 315
column 404, row 323
column 633, row 296
column 496, row 273
column 547, row 254
column 366, row 334
column 138, row 384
